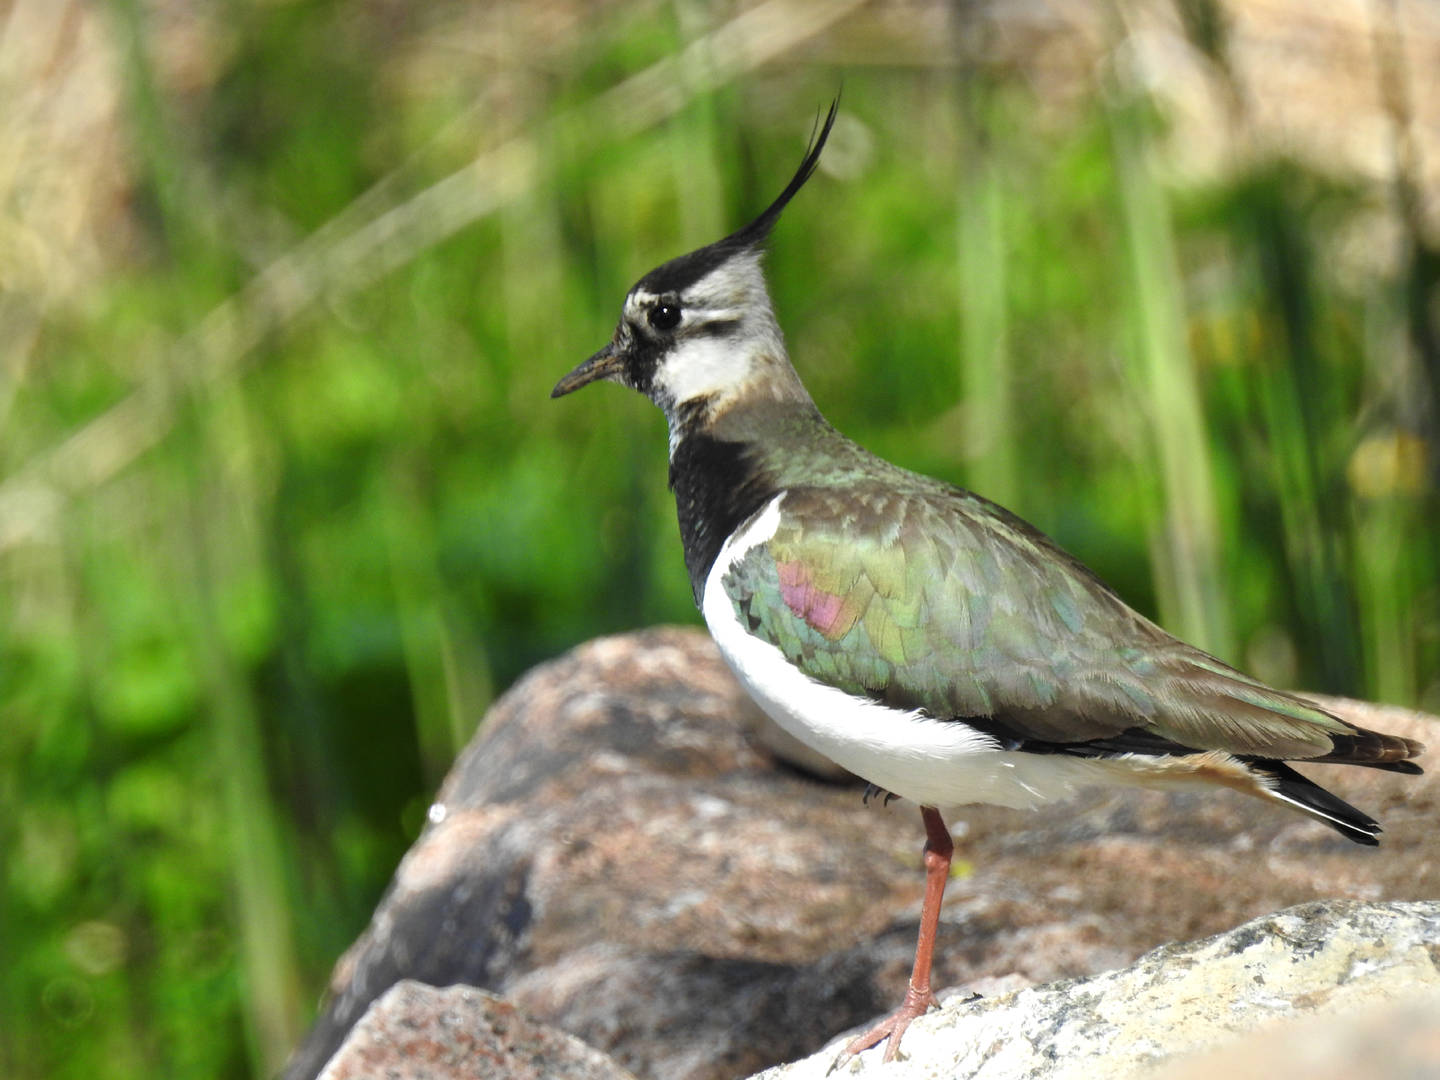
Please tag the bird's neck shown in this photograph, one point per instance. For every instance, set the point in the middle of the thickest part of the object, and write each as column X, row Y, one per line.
column 727, row 463
column 707, row 380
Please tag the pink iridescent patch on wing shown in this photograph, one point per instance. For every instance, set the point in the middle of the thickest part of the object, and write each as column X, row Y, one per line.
column 824, row 611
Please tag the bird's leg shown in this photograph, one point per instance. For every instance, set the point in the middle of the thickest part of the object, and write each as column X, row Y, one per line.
column 918, row 996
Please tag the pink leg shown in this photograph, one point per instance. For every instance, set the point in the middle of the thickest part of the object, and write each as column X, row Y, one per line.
column 918, row 996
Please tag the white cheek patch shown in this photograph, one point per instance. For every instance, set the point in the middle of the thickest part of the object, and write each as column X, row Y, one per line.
column 701, row 367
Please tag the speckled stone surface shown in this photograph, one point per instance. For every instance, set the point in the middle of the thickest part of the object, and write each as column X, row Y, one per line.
column 618, row 854
column 418, row 1032
column 1333, row 963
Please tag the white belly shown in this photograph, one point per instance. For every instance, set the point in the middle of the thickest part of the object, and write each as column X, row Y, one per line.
column 939, row 763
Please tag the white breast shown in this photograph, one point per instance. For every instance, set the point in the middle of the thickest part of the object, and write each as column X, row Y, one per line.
column 939, row 763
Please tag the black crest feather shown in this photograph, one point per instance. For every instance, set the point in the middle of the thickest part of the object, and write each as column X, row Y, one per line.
column 681, row 272
column 758, row 230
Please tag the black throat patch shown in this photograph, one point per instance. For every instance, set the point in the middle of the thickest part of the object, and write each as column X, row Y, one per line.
column 717, row 485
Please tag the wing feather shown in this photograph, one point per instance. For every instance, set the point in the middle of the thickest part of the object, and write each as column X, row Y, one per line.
column 940, row 600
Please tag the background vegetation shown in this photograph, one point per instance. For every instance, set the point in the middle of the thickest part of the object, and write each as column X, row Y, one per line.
column 284, row 503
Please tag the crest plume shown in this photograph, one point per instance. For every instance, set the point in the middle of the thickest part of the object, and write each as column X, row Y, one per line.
column 681, row 272
column 755, row 233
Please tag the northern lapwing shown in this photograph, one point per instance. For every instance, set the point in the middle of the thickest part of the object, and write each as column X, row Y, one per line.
column 924, row 638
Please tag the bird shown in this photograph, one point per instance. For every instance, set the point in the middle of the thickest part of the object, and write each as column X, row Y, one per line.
column 926, row 639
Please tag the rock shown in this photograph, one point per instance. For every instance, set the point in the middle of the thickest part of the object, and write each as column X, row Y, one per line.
column 1398, row 1040
column 614, row 851
column 618, row 854
column 1325, row 961
column 416, row 1032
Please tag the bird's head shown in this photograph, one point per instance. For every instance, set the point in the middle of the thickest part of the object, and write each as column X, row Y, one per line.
column 699, row 332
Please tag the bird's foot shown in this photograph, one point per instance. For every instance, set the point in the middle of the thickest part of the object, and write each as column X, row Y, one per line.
column 916, row 1003
column 874, row 792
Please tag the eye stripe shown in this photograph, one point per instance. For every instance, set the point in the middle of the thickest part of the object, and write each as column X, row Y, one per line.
column 715, row 328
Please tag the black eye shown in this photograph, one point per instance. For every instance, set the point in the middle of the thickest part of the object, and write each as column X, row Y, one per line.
column 665, row 316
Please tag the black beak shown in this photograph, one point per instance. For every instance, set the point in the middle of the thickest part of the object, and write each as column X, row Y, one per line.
column 604, row 364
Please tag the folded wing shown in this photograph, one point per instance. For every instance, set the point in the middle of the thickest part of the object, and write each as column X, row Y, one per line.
column 943, row 601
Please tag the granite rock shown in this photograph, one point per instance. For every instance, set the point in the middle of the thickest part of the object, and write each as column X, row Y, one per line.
column 623, row 855
column 1324, row 963
column 417, row 1032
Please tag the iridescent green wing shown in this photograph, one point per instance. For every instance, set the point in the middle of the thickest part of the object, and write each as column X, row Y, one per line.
column 942, row 601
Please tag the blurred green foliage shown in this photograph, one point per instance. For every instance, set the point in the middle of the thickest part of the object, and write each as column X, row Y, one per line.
column 233, row 669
